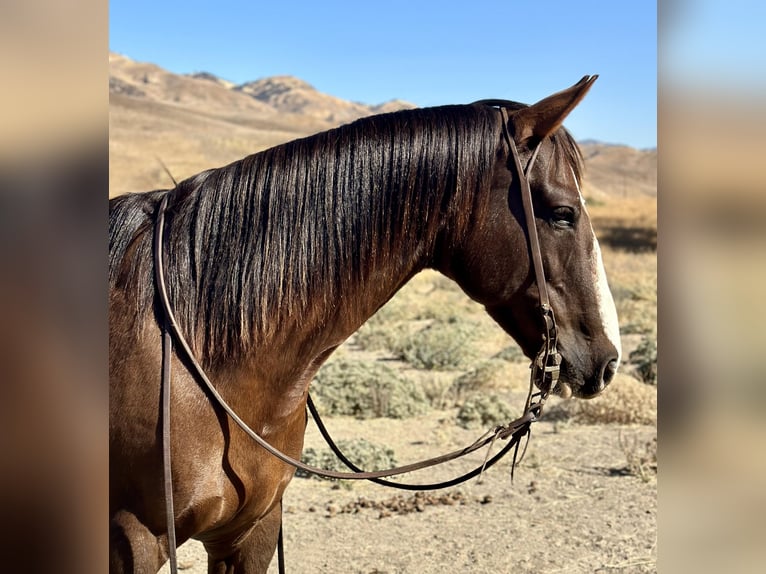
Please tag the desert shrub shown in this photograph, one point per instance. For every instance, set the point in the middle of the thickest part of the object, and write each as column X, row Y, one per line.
column 378, row 333
column 486, row 375
column 363, row 453
column 644, row 358
column 483, row 411
column 438, row 388
column 641, row 456
column 442, row 283
column 366, row 389
column 389, row 324
column 444, row 390
column 512, row 354
column 625, row 401
column 440, row 345
column 636, row 306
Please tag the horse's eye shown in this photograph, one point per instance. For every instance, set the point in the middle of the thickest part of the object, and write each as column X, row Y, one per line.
column 563, row 217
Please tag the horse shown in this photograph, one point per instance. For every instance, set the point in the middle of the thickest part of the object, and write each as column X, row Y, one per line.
column 276, row 259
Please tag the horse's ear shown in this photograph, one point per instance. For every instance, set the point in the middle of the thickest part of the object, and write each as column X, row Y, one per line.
column 543, row 118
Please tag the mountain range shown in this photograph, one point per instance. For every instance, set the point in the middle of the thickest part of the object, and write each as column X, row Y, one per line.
column 183, row 123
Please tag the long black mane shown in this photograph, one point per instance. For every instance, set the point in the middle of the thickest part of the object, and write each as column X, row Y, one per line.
column 306, row 223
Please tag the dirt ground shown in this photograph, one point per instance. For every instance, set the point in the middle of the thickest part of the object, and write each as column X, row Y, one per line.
column 574, row 506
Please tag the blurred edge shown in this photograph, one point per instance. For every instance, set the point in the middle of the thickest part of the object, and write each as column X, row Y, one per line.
column 53, row 339
column 712, row 293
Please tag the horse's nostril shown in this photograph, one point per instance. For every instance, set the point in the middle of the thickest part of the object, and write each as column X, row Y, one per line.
column 609, row 371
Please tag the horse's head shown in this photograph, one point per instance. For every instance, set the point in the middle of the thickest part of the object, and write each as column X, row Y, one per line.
column 494, row 264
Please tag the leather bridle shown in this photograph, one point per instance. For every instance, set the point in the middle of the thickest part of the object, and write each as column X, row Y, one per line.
column 547, row 364
column 544, row 375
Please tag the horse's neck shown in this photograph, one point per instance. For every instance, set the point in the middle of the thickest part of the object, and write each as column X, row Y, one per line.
column 309, row 337
column 332, row 315
column 286, row 364
column 332, row 322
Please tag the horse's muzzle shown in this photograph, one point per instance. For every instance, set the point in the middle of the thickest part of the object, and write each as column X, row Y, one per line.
column 574, row 383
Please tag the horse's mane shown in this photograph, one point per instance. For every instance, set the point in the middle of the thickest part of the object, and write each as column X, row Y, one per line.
column 305, row 223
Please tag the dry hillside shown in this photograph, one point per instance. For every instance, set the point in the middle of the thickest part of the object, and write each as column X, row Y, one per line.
column 194, row 122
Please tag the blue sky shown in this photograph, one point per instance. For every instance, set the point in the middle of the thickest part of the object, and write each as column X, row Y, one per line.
column 425, row 52
column 714, row 45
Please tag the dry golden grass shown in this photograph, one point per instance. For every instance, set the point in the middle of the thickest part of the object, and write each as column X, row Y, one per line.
column 634, row 210
column 641, row 456
column 633, row 282
column 626, row 223
column 625, row 401
column 142, row 134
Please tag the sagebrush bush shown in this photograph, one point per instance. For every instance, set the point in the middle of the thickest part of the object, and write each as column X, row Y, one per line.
column 484, row 411
column 438, row 388
column 644, row 359
column 382, row 330
column 486, row 375
column 363, row 453
column 366, row 389
column 512, row 354
column 633, row 281
column 440, row 346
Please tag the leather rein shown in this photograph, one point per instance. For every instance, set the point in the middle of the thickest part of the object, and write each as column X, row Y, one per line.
column 544, row 373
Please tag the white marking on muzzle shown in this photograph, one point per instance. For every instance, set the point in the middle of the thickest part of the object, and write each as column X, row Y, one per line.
column 606, row 307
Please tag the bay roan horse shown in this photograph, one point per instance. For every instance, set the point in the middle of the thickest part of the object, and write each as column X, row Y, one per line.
column 275, row 260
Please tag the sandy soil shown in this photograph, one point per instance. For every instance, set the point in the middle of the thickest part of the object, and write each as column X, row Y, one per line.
column 573, row 507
